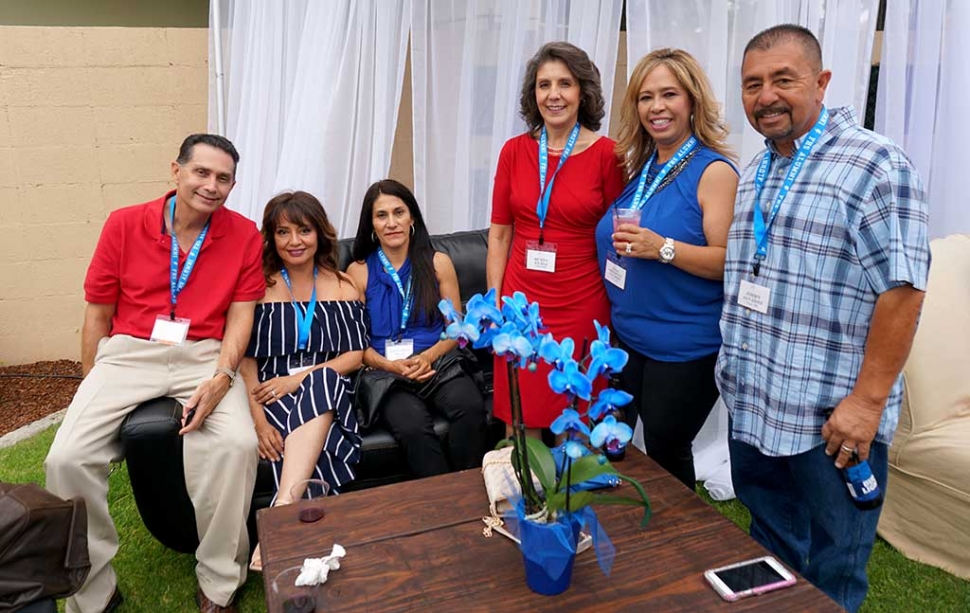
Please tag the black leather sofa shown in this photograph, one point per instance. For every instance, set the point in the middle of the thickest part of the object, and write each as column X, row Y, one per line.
column 153, row 449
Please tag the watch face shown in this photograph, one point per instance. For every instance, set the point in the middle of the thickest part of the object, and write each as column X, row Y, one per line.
column 667, row 253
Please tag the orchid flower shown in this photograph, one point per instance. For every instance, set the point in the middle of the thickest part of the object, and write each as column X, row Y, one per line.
column 607, row 401
column 556, row 354
column 570, row 380
column 483, row 308
column 570, row 422
column 602, row 333
column 525, row 316
column 511, row 344
column 605, row 359
column 462, row 329
column 574, row 449
column 611, row 433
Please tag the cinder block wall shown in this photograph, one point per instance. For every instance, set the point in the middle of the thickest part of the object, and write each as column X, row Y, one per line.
column 89, row 120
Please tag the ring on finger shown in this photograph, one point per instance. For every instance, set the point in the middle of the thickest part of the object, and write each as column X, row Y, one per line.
column 273, row 392
column 629, row 247
column 847, row 449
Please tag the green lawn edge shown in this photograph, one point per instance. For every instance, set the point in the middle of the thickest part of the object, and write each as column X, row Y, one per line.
column 155, row 579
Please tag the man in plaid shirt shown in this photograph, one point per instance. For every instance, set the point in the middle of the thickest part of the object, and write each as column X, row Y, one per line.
column 826, row 266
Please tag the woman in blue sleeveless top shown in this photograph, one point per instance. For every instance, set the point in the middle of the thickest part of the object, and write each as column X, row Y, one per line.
column 664, row 275
column 308, row 334
column 402, row 279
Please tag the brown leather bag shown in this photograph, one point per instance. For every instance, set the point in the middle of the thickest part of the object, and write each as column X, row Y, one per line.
column 43, row 545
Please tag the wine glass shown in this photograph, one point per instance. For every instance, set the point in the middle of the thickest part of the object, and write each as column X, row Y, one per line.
column 313, row 491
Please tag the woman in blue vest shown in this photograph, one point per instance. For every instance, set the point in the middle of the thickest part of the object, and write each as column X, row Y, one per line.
column 663, row 275
column 402, row 279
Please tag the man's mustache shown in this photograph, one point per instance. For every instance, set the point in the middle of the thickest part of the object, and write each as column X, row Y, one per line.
column 771, row 109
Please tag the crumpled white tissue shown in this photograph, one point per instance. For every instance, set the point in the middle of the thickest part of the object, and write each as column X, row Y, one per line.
column 315, row 570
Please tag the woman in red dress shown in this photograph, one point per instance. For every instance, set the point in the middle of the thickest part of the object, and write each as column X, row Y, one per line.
column 552, row 186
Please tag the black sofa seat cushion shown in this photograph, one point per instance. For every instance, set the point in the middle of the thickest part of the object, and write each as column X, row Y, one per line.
column 153, row 448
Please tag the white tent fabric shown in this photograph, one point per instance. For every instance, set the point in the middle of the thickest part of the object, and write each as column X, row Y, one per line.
column 468, row 59
column 716, row 32
column 924, row 76
column 312, row 91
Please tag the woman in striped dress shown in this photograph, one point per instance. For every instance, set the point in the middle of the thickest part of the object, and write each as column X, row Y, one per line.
column 308, row 334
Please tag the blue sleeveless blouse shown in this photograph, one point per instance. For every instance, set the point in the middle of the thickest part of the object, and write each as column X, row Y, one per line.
column 665, row 313
column 384, row 304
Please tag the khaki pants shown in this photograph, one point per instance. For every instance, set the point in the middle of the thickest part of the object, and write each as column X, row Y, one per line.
column 220, row 459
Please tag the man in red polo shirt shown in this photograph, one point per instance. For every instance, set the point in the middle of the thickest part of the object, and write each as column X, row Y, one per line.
column 170, row 295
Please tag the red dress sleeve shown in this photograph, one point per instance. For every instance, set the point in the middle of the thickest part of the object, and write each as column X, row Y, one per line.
column 612, row 175
column 502, row 188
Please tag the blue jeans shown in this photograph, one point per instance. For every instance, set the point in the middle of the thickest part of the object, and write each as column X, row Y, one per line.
column 801, row 511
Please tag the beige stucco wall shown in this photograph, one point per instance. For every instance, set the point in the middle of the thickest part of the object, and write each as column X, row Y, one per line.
column 89, row 120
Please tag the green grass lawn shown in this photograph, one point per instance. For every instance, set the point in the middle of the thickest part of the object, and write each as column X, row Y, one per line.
column 157, row 580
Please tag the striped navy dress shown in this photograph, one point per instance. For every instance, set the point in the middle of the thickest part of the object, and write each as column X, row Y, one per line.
column 338, row 326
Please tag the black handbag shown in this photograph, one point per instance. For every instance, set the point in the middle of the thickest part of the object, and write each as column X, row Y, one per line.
column 43, row 545
column 372, row 384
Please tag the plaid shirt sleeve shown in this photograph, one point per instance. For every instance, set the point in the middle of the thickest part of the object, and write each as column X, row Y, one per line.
column 892, row 243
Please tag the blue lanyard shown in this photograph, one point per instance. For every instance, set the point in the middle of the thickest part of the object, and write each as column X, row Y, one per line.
column 545, row 191
column 406, row 295
column 176, row 282
column 302, row 321
column 761, row 226
column 640, row 198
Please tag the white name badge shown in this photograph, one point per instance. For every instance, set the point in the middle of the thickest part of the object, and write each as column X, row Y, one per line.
column 615, row 273
column 170, row 331
column 540, row 257
column 400, row 350
column 754, row 296
column 300, row 362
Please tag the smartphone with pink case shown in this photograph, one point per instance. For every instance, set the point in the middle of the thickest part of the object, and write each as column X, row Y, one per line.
column 749, row 578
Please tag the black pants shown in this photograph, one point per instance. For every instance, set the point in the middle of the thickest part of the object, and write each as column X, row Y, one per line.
column 409, row 419
column 673, row 399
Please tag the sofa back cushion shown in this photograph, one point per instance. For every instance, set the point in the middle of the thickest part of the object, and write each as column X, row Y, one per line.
column 937, row 372
column 467, row 250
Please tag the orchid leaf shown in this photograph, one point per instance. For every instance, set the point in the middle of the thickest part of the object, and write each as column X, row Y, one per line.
column 586, row 468
column 541, row 463
column 577, row 500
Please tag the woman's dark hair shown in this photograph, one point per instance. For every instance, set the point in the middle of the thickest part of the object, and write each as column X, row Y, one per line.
column 299, row 208
column 420, row 249
column 591, row 104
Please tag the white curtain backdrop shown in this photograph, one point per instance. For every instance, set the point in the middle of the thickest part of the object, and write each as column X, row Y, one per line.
column 468, row 58
column 716, row 32
column 312, row 91
column 924, row 77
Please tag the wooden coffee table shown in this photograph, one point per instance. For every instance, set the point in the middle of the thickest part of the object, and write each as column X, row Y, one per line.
column 419, row 546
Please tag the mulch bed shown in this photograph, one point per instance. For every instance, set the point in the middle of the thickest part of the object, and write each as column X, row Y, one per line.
column 31, row 391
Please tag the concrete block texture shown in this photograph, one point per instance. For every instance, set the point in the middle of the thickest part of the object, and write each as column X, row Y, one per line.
column 57, row 165
column 57, row 203
column 45, row 86
column 50, row 126
column 31, row 47
column 6, row 138
column 125, row 47
column 8, row 169
column 90, row 120
column 126, row 125
column 135, row 163
column 117, row 195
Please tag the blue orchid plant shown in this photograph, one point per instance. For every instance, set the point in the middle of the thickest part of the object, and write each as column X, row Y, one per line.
column 516, row 332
